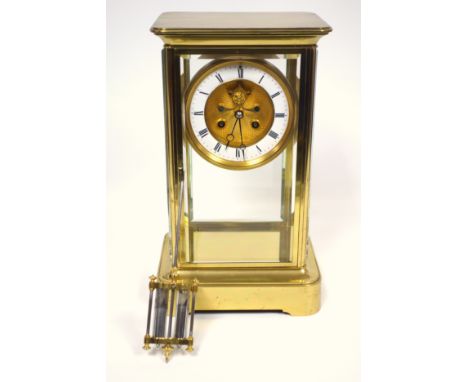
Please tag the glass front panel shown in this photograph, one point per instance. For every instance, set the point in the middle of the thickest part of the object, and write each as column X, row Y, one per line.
column 239, row 216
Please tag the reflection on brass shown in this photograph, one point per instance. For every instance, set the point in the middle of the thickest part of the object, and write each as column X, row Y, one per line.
column 260, row 246
column 294, row 290
column 241, row 29
column 237, row 104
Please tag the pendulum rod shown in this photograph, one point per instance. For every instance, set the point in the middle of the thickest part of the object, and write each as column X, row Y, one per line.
column 171, row 310
column 192, row 313
column 160, row 313
column 181, row 318
column 150, row 307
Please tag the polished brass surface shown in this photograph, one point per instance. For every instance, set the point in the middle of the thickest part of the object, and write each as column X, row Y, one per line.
column 221, row 97
column 290, row 283
column 248, row 250
column 239, row 100
column 240, row 28
column 292, row 290
column 240, row 41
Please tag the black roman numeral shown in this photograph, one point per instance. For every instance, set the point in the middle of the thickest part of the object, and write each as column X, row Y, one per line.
column 274, row 95
column 279, row 115
column 203, row 92
column 258, row 148
column 217, row 147
column 198, row 113
column 261, row 78
column 203, row 133
column 240, row 71
column 239, row 151
column 273, row 134
column 218, row 77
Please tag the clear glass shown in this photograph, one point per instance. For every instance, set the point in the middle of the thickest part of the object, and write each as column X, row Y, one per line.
column 239, row 216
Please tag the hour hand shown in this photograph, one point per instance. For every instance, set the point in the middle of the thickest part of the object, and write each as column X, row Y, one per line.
column 229, row 139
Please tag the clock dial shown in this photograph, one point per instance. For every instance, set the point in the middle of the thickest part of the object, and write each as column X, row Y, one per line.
column 239, row 113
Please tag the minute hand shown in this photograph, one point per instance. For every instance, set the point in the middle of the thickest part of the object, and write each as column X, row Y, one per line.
column 242, row 139
column 240, row 129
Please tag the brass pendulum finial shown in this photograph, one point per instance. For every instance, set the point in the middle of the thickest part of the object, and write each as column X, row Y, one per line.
column 190, row 344
column 147, row 346
column 167, row 349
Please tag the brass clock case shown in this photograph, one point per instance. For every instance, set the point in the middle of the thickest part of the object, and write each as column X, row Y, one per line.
column 240, row 96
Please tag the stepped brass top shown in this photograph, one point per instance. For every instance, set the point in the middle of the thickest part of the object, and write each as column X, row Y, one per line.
column 240, row 28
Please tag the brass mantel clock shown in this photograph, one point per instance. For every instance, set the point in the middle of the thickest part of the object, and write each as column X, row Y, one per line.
column 239, row 91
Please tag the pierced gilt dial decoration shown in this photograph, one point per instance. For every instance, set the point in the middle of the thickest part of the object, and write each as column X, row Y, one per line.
column 239, row 113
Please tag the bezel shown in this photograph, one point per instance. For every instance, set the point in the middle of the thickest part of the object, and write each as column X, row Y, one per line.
column 282, row 142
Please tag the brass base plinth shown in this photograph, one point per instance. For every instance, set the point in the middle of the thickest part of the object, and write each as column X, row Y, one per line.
column 291, row 290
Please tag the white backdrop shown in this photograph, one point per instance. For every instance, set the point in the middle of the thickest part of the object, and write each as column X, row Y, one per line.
column 229, row 347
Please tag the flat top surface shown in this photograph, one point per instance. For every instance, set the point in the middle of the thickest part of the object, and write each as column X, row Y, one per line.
column 240, row 22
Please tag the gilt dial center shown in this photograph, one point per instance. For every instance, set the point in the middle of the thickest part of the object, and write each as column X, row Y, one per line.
column 239, row 103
